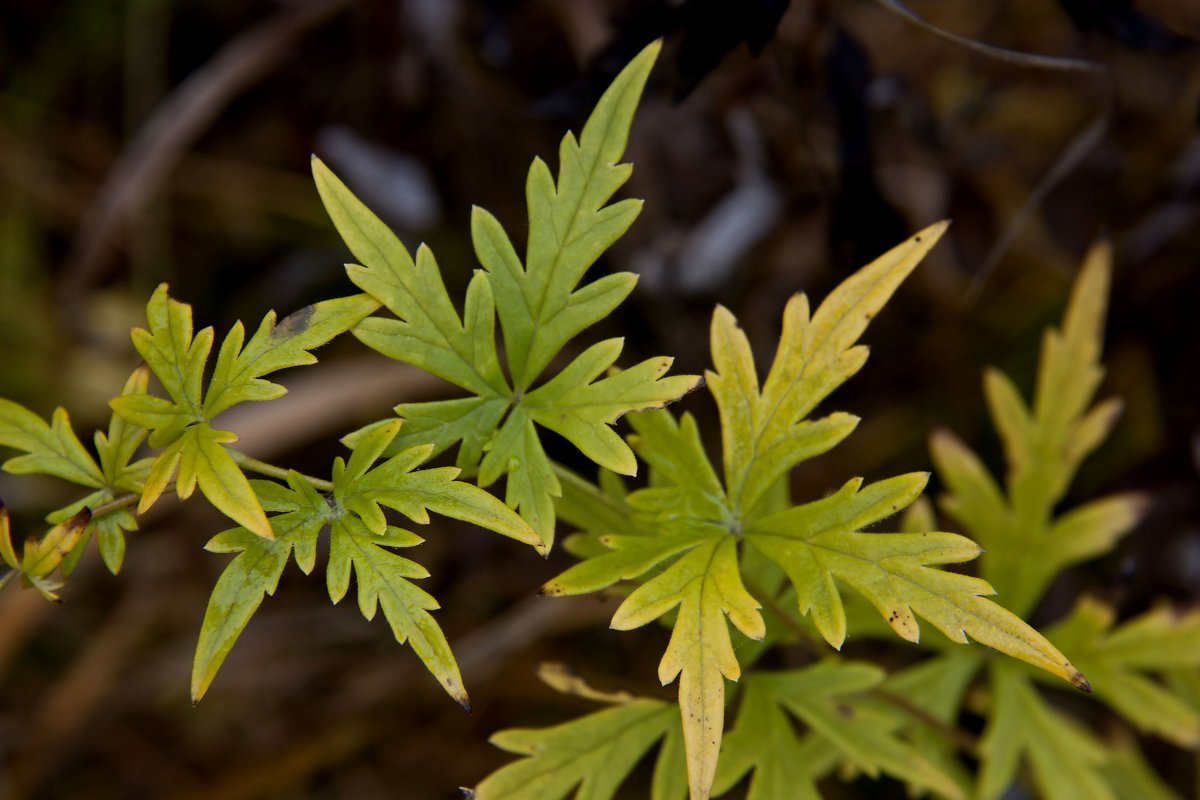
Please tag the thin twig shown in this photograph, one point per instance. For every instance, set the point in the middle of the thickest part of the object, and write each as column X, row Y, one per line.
column 1079, row 146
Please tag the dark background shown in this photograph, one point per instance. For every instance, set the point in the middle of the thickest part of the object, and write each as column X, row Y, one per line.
column 147, row 140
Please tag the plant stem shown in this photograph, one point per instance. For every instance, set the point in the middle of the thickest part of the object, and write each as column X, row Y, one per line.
column 279, row 473
column 771, row 604
column 124, row 501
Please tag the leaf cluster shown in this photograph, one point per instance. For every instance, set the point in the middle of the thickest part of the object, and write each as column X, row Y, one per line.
column 694, row 543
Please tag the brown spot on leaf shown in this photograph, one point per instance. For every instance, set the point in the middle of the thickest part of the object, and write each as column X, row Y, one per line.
column 294, row 323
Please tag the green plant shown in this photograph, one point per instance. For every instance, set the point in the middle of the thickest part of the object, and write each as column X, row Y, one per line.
column 696, row 548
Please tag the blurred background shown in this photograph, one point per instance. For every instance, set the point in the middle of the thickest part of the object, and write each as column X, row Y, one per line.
column 779, row 146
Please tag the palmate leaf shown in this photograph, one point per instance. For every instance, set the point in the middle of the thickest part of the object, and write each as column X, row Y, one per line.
column 784, row 764
column 1121, row 659
column 688, row 537
column 54, row 449
column 180, row 423
column 1067, row 760
column 360, row 542
column 592, row 756
column 541, row 307
column 1026, row 547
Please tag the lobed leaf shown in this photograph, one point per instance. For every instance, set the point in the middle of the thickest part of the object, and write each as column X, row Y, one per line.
column 1044, row 445
column 818, row 542
column 541, row 306
column 764, row 433
column 255, row 572
column 569, row 227
column 589, row 757
column 50, row 449
column 237, row 374
column 1067, row 761
column 1119, row 658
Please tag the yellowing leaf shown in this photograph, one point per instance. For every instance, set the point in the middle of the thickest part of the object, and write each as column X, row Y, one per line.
column 766, row 434
column 820, row 541
column 689, row 540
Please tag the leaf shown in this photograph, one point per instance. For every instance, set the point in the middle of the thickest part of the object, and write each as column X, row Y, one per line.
column 589, row 757
column 1066, row 760
column 582, row 409
column 359, row 540
column 180, row 426
column 1117, row 659
column 822, row 696
column 254, row 573
column 765, row 434
column 237, row 374
column 541, row 307
column 51, row 449
column 569, row 227
column 689, row 541
column 204, row 461
column 1026, row 547
column 396, row 485
column 177, row 358
column 42, row 557
column 383, row 581
column 819, row 542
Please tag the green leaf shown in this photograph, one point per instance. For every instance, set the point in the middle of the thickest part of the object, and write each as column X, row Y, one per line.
column 396, row 485
column 1118, row 658
column 1066, row 760
column 383, row 581
column 237, row 375
column 204, row 461
column 50, row 449
column 570, row 225
column 177, row 359
column 541, row 305
column 255, row 572
column 582, row 409
column 180, row 425
column 785, row 765
column 1026, row 547
column 360, row 536
column 589, row 757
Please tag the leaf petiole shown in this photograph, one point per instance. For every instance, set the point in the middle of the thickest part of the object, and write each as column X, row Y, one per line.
column 279, row 473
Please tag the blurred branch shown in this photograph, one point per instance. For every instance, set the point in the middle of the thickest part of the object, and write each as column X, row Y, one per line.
column 175, row 124
column 1074, row 153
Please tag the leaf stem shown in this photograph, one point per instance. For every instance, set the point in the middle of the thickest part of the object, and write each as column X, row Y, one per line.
column 123, row 501
column 773, row 605
column 963, row 740
column 279, row 473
